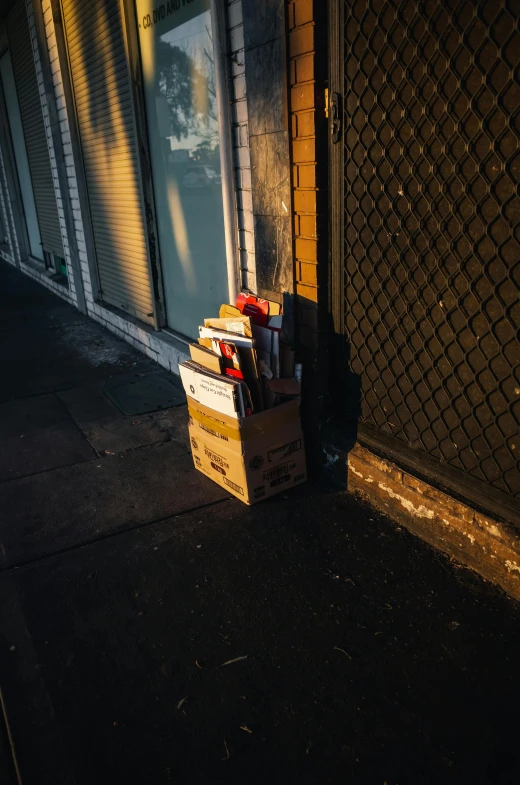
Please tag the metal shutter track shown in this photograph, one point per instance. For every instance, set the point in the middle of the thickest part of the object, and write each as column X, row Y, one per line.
column 104, row 109
column 34, row 129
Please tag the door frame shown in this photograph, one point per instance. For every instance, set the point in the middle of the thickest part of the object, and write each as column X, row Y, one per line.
column 59, row 154
column 223, row 95
column 222, row 80
column 336, row 156
column 131, row 39
column 63, row 59
column 14, row 193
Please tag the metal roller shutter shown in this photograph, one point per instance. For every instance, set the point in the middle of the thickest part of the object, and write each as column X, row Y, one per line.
column 432, row 236
column 34, row 129
column 104, row 109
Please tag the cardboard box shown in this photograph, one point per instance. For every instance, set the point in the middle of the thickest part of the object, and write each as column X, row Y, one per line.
column 254, row 457
column 259, row 429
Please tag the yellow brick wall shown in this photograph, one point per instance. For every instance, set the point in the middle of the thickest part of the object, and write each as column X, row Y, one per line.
column 308, row 68
column 303, row 132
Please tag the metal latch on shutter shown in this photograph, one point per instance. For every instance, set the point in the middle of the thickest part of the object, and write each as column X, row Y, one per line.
column 335, row 117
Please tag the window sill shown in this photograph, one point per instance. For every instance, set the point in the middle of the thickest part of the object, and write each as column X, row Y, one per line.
column 59, row 279
column 38, row 267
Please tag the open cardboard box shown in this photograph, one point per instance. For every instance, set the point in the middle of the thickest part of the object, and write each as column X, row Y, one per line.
column 252, row 457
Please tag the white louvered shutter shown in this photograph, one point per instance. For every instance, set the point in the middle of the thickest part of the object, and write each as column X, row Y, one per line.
column 34, row 129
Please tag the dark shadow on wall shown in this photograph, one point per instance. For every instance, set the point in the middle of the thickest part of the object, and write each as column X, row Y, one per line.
column 331, row 391
column 339, row 432
column 345, row 390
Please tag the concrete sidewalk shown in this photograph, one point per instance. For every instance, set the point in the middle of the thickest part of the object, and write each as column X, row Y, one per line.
column 152, row 630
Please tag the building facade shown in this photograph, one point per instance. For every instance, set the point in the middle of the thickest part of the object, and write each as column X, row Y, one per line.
column 126, row 162
column 357, row 161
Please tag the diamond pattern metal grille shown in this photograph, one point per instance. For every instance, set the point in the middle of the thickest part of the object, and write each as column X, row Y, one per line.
column 432, row 227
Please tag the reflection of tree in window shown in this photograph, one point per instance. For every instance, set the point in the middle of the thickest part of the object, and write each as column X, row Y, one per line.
column 175, row 83
column 187, row 82
column 207, row 148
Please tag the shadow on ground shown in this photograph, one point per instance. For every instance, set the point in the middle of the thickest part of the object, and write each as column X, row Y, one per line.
column 355, row 652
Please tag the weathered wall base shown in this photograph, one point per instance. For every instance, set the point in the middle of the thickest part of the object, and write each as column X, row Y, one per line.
column 490, row 547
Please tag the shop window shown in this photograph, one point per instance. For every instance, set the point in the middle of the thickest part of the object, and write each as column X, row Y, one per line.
column 56, row 266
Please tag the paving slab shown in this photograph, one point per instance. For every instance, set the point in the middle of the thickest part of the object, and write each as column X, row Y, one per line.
column 106, row 428
column 369, row 658
column 37, row 434
column 175, row 423
column 148, row 392
column 68, row 507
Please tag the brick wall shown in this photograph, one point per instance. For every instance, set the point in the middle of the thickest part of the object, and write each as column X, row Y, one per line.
column 303, row 102
column 265, row 51
column 307, row 73
column 242, row 157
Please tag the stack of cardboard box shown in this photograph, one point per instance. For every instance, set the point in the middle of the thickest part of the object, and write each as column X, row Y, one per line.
column 243, row 390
